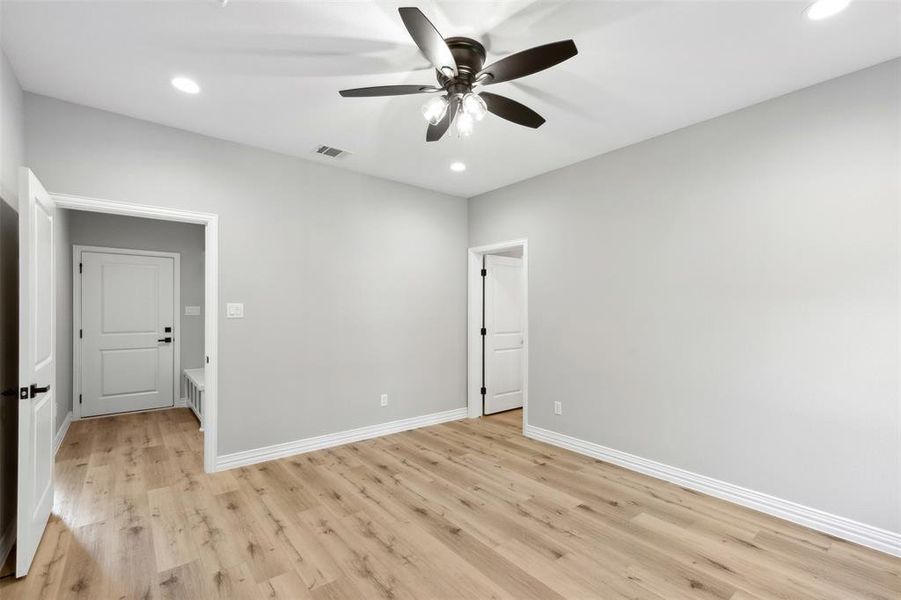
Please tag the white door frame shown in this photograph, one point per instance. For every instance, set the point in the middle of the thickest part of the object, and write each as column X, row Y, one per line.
column 210, row 222
column 474, row 326
column 77, row 316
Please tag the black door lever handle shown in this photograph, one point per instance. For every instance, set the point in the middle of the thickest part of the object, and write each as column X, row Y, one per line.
column 167, row 340
column 35, row 390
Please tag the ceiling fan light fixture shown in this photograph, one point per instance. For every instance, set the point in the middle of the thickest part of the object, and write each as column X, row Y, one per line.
column 823, row 9
column 474, row 105
column 435, row 109
column 459, row 64
column 465, row 124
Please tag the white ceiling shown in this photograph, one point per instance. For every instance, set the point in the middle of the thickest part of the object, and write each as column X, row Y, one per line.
column 270, row 72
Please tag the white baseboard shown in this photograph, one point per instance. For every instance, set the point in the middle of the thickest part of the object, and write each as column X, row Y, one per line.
column 249, row 457
column 854, row 531
column 7, row 540
column 61, row 434
column 180, row 403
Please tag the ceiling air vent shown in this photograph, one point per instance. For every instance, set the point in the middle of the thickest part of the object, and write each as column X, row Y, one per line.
column 330, row 152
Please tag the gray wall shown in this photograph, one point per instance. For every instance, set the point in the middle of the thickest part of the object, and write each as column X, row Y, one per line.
column 12, row 144
column 12, row 132
column 352, row 285
column 724, row 298
column 114, row 231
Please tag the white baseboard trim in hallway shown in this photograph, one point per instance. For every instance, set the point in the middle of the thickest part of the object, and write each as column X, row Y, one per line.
column 61, row 434
column 841, row 527
column 258, row 455
column 180, row 403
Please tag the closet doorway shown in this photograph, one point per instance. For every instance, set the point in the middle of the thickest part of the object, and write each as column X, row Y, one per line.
column 498, row 329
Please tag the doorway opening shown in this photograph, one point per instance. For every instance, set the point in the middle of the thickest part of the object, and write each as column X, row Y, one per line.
column 498, row 339
column 199, row 313
column 43, row 250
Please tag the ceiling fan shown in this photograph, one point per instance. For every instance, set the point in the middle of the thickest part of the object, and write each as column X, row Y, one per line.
column 459, row 63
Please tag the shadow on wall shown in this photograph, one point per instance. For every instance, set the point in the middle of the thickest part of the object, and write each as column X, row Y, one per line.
column 9, row 359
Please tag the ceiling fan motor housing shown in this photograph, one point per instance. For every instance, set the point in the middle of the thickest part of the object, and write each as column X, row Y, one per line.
column 470, row 57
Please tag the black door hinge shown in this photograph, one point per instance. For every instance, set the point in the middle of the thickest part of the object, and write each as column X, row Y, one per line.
column 484, row 272
column 484, row 331
column 79, row 398
column 80, row 267
column 484, row 391
column 80, row 333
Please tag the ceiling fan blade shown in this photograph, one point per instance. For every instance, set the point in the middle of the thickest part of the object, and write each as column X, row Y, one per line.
column 429, row 40
column 389, row 90
column 436, row 132
column 512, row 110
column 527, row 62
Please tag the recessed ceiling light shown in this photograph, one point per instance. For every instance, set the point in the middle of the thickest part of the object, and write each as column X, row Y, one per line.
column 183, row 84
column 823, row 9
column 457, row 167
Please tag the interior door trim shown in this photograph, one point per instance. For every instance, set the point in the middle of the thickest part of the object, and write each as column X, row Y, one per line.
column 210, row 223
column 77, row 251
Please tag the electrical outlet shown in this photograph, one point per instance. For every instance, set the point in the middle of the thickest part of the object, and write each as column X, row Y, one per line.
column 384, row 399
column 558, row 407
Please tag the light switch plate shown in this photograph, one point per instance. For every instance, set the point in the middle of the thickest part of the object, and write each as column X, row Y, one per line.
column 192, row 311
column 234, row 310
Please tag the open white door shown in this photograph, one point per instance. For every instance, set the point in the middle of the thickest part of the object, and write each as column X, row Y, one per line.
column 37, row 336
column 504, row 301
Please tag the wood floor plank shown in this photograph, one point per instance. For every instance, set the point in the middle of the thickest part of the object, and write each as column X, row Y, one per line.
column 132, row 548
column 369, row 573
column 234, row 582
column 187, row 580
column 469, row 509
column 49, row 564
column 260, row 552
column 287, row 586
column 297, row 542
column 172, row 542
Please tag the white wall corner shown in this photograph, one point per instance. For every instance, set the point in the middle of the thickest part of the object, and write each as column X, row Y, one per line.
column 61, row 433
column 841, row 527
column 258, row 455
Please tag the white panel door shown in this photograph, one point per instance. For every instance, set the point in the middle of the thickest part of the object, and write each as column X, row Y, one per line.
column 504, row 296
column 127, row 356
column 37, row 336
